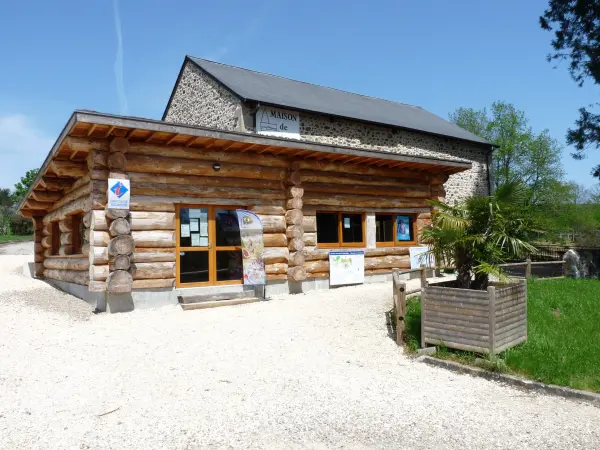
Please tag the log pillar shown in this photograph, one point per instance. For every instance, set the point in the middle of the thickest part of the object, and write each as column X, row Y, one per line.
column 294, row 221
column 38, row 248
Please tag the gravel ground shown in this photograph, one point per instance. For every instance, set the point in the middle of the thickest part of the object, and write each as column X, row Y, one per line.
column 304, row 371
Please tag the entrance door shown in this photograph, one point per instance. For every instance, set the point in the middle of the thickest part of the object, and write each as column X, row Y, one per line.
column 209, row 248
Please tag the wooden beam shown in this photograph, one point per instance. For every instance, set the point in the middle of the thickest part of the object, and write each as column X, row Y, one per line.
column 55, row 184
column 175, row 136
column 260, row 152
column 34, row 204
column 46, row 196
column 91, row 130
column 68, row 168
column 152, row 135
column 110, row 130
column 191, row 141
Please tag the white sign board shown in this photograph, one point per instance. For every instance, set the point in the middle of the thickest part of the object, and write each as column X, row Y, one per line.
column 417, row 257
column 119, row 192
column 278, row 122
column 346, row 268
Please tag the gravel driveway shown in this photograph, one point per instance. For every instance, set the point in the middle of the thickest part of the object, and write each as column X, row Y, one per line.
column 304, row 371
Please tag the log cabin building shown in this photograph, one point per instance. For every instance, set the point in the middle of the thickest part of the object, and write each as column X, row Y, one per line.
column 324, row 169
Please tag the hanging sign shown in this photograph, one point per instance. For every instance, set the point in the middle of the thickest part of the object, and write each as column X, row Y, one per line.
column 346, row 268
column 118, row 193
column 251, row 234
column 278, row 122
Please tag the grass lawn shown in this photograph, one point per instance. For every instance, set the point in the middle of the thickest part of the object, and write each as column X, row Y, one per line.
column 564, row 335
column 15, row 238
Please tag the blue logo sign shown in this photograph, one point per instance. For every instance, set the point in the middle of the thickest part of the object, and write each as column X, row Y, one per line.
column 119, row 189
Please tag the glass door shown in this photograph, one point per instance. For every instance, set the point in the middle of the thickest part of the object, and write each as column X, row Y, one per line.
column 208, row 246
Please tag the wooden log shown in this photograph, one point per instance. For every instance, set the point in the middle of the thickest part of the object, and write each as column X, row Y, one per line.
column 66, row 238
column 46, row 196
column 80, row 205
column 327, row 166
column 276, row 268
column 48, row 253
column 99, row 174
column 78, row 183
column 47, row 229
column 294, row 192
column 69, row 276
column 38, row 270
column 294, row 177
column 38, row 257
column 115, row 214
column 119, row 144
column 98, row 255
column 316, row 255
column 294, row 231
column 65, row 250
column 297, row 273
column 377, row 271
column 310, row 239
column 119, row 227
column 85, row 250
column 34, row 204
column 119, row 282
column 66, row 225
column 97, row 159
column 152, row 220
column 96, row 286
column 84, row 145
column 118, row 174
column 121, row 245
column 296, row 259
column 153, row 283
column 275, row 210
column 77, row 193
column 272, row 255
column 55, row 184
column 317, row 266
column 96, row 238
column 317, row 275
column 182, row 166
column 273, row 277
column 420, row 191
column 296, row 244
column 167, row 203
column 309, row 223
column 154, row 238
column 189, row 180
column 147, row 255
column 363, row 201
column 382, row 251
column 141, row 271
column 294, row 217
column 157, row 189
column 96, row 220
column 68, row 168
column 66, row 263
column 38, row 247
column 275, row 240
column 387, row 262
column 98, row 273
column 346, row 178
column 272, row 224
column 294, row 203
column 46, row 242
column 27, row 213
column 119, row 262
column 116, row 161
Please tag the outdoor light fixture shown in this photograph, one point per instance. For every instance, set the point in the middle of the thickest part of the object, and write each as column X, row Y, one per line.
column 216, row 167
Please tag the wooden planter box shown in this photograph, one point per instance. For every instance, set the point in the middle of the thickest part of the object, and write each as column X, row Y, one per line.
column 480, row 321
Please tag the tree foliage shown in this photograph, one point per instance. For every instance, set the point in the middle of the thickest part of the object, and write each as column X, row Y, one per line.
column 521, row 154
column 576, row 28
column 479, row 234
column 23, row 185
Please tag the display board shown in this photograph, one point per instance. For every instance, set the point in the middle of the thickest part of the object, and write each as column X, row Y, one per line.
column 277, row 122
column 346, row 267
column 118, row 193
column 251, row 234
column 418, row 257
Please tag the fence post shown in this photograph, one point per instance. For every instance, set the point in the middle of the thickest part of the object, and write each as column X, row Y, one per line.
column 399, row 296
column 528, row 268
column 492, row 318
column 423, row 292
column 423, row 276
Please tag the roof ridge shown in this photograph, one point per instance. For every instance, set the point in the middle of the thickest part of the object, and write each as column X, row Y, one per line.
column 306, row 82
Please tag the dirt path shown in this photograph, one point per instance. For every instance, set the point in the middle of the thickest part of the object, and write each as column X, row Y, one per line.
column 316, row 371
column 17, row 248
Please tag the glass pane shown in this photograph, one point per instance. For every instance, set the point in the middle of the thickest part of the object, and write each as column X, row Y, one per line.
column 404, row 228
column 327, row 228
column 384, row 227
column 229, row 265
column 228, row 230
column 352, row 228
column 193, row 267
column 193, row 227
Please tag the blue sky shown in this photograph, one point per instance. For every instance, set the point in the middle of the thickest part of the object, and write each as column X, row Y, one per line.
column 440, row 55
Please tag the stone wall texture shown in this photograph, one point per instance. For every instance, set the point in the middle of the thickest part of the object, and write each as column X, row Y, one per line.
column 199, row 100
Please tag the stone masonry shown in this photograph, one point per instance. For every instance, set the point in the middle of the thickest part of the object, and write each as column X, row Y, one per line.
column 200, row 100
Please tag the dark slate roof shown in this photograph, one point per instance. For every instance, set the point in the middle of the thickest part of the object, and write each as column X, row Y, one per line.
column 278, row 91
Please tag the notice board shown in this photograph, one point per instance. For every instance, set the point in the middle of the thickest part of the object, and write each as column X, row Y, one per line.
column 346, row 267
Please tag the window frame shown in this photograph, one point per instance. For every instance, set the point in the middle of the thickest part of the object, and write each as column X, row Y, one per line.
column 76, row 222
column 340, row 243
column 55, row 238
column 396, row 242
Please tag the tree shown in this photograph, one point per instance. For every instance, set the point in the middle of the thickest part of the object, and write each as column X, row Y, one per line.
column 6, row 206
column 479, row 234
column 521, row 155
column 576, row 28
column 23, row 186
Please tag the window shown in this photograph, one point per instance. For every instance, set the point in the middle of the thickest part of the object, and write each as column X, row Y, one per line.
column 337, row 229
column 77, row 230
column 55, row 235
column 395, row 229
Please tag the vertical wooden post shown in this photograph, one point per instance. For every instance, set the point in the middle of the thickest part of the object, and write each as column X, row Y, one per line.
column 38, row 249
column 423, row 276
column 525, row 293
column 295, row 232
column 423, row 308
column 399, row 296
column 492, row 318
column 528, row 268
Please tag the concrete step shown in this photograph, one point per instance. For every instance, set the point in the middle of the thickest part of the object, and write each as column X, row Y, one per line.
column 218, row 303
column 199, row 298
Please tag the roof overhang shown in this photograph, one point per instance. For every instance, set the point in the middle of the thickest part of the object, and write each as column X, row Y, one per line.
column 94, row 125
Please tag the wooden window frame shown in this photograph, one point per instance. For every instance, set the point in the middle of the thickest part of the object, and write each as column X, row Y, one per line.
column 210, row 249
column 340, row 243
column 55, row 238
column 76, row 220
column 396, row 242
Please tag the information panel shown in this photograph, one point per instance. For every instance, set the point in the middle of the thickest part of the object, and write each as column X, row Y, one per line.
column 346, row 267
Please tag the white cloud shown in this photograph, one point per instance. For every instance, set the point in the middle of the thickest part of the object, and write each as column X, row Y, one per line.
column 23, row 146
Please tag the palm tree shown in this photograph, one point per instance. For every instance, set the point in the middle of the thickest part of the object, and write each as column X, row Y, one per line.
column 479, row 234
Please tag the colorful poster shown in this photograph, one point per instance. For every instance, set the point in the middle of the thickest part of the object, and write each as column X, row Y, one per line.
column 251, row 234
column 118, row 193
column 346, row 268
column 404, row 228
